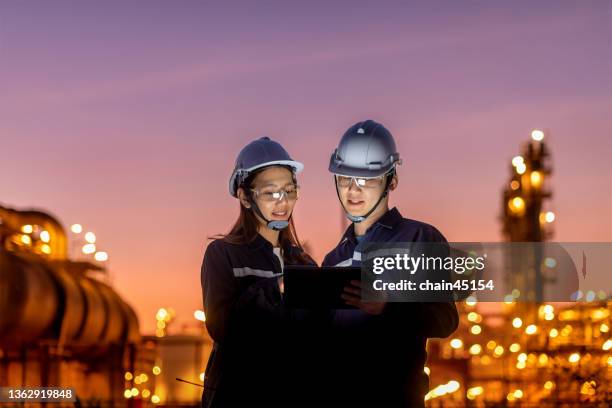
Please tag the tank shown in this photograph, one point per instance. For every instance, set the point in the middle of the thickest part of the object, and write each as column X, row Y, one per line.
column 49, row 297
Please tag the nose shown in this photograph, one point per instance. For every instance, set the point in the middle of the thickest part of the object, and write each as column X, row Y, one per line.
column 354, row 183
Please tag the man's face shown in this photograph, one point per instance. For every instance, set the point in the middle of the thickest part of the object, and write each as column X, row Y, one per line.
column 359, row 195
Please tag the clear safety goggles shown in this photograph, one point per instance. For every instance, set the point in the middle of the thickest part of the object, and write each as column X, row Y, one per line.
column 360, row 182
column 270, row 194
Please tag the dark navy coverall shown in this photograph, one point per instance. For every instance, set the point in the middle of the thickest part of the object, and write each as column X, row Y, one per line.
column 257, row 340
column 378, row 360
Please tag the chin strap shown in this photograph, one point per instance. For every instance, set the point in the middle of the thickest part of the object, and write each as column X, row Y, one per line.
column 360, row 218
column 275, row 225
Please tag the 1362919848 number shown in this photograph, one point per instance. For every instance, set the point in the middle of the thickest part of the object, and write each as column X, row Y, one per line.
column 36, row 394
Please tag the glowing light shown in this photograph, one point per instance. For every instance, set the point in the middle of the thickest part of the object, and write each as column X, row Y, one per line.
column 549, row 216
column 45, row 249
column 443, row 389
column 537, row 135
column 516, row 293
column 162, row 314
column 590, row 296
column 517, row 322
column 27, row 229
column 491, row 344
column 522, row 357
column 607, row 345
column 202, row 376
column 574, row 358
column 89, row 248
column 155, row 399
column 456, row 343
column 566, row 330
column 518, row 394
column 549, row 385
column 475, row 349
column 545, row 309
column 543, row 360
column 516, row 205
column 473, row 392
column 516, row 160
column 532, row 358
column 473, row 316
column 536, row 178
column 508, row 299
column 600, row 314
column 127, row 393
column 514, row 347
column 452, row 386
column 550, row 262
column 45, row 236
column 134, row 392
column 144, row 378
column 128, row 376
column 521, row 168
column 553, row 333
column 101, row 256
column 471, row 301
column 156, row 370
column 499, row 350
column 199, row 315
column 76, row 228
column 588, row 388
column 531, row 329
column 514, row 185
column 146, row 393
column 90, row 237
column 476, row 329
column 604, row 328
column 25, row 239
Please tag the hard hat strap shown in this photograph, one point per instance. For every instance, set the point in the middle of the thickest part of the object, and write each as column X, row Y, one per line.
column 275, row 225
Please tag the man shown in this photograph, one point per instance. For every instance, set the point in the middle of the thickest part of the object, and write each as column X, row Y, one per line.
column 376, row 352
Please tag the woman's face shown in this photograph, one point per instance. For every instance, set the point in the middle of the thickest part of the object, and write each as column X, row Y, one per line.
column 266, row 185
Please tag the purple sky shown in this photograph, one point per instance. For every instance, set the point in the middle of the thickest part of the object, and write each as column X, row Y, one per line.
column 127, row 117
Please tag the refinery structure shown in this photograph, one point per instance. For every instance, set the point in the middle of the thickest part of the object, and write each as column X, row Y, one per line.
column 62, row 324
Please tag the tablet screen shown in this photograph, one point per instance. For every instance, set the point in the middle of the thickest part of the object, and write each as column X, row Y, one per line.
column 317, row 287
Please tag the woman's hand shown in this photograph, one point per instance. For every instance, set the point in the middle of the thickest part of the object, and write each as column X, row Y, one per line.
column 352, row 296
column 281, row 284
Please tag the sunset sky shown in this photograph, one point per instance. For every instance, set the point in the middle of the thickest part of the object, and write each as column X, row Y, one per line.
column 127, row 118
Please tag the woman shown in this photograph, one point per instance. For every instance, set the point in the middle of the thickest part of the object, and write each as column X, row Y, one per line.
column 242, row 284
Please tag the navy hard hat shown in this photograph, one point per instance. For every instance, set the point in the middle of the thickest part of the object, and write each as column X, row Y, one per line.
column 259, row 153
column 367, row 149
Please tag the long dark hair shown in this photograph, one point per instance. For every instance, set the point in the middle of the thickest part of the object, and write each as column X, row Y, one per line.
column 245, row 229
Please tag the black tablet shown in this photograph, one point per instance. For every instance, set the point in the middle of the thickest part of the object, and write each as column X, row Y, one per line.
column 317, row 287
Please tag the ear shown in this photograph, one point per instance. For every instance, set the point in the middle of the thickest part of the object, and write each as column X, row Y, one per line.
column 243, row 199
column 394, row 183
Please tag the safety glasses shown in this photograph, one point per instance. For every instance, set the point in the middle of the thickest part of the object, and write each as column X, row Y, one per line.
column 269, row 194
column 360, row 182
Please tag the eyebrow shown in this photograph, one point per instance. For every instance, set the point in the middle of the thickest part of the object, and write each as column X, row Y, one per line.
column 271, row 184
